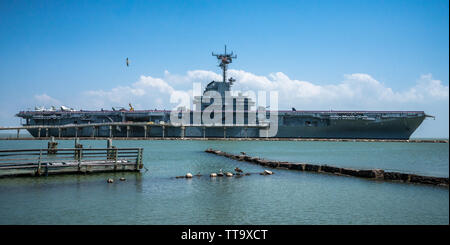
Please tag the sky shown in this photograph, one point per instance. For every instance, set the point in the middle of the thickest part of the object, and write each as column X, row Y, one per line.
column 319, row 55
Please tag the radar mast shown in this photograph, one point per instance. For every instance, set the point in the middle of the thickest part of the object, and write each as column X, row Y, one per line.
column 225, row 59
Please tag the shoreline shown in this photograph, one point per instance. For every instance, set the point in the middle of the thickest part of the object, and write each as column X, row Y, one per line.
column 237, row 139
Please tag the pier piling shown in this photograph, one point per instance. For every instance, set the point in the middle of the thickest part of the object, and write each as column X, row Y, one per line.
column 52, row 146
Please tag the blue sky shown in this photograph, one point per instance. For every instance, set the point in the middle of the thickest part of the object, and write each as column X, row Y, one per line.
column 58, row 51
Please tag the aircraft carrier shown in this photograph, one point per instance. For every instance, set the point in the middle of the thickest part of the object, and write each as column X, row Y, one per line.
column 66, row 122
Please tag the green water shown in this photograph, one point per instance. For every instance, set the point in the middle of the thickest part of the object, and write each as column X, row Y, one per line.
column 287, row 197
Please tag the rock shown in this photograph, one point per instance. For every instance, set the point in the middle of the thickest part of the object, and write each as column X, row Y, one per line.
column 254, row 159
column 330, row 169
column 188, row 175
column 395, row 176
column 240, row 158
column 365, row 173
column 379, row 173
column 247, row 158
column 262, row 162
column 228, row 174
column 285, row 165
column 247, row 174
column 220, row 153
column 272, row 164
column 268, row 172
column 296, row 166
column 110, row 180
column 428, row 180
column 180, row 177
column 311, row 167
column 213, row 175
column 349, row 171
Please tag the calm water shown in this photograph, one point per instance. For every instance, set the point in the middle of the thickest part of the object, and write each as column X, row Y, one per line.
column 287, row 197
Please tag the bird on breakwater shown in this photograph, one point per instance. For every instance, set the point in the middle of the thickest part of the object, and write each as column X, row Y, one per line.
column 220, row 173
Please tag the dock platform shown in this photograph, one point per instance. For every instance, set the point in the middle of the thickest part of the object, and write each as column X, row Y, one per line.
column 44, row 162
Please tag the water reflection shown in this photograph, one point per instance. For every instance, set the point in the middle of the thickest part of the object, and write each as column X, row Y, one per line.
column 287, row 197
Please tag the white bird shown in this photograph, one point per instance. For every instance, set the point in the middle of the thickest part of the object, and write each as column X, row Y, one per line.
column 220, row 173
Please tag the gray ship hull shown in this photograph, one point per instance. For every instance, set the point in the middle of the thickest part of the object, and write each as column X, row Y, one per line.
column 392, row 125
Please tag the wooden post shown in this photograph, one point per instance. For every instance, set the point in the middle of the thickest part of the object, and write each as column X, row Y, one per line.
column 145, row 131
column 183, row 131
column 204, row 132
column 128, row 129
column 141, row 164
column 39, row 162
column 76, row 132
column 139, row 159
column 59, row 132
column 39, row 132
column 46, row 132
column 224, row 132
column 246, row 133
column 110, row 131
column 52, row 146
column 163, row 129
column 18, row 131
column 115, row 154
column 93, row 131
column 78, row 148
column 80, row 155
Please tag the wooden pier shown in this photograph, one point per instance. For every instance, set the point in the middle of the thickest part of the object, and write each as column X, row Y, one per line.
column 43, row 162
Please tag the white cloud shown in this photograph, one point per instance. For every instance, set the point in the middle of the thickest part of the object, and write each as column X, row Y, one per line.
column 46, row 100
column 356, row 91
